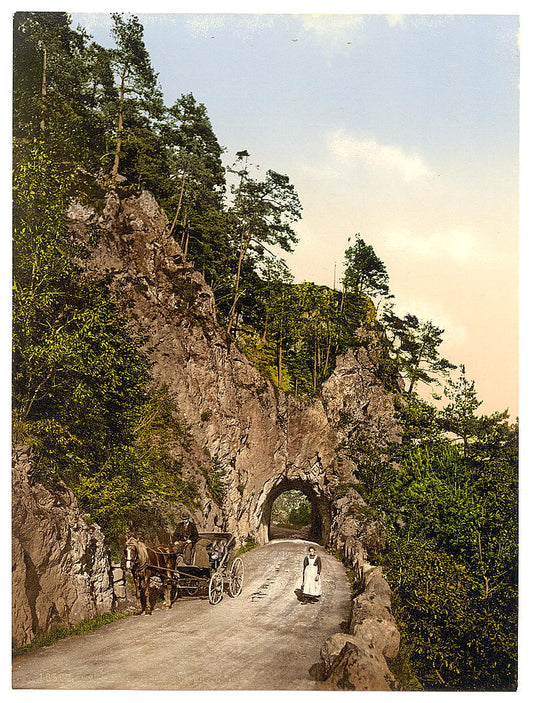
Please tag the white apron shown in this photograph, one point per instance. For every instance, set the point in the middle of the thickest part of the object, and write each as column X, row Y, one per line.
column 310, row 586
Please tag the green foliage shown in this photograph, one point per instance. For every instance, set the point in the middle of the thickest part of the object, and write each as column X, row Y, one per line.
column 261, row 215
column 215, row 476
column 364, row 272
column 249, row 544
column 304, row 327
column 139, row 99
column 291, row 509
column 451, row 556
column 343, row 489
column 301, row 515
column 414, row 345
column 62, row 87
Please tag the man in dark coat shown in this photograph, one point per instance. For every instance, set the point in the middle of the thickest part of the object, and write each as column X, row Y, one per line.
column 185, row 538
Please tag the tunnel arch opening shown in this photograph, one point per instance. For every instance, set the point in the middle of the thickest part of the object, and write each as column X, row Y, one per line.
column 290, row 516
column 320, row 520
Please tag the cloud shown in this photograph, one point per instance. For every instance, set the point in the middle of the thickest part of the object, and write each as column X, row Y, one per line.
column 458, row 245
column 333, row 33
column 332, row 25
column 387, row 157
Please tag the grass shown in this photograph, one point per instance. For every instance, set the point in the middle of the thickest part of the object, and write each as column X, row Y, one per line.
column 249, row 543
column 60, row 632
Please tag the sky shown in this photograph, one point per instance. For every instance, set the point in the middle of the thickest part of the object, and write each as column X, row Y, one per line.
column 402, row 128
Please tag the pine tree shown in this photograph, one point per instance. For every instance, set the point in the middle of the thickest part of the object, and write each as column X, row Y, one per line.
column 138, row 93
column 262, row 213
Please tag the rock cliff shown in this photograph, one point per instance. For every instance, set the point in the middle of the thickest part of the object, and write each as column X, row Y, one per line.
column 61, row 566
column 265, row 440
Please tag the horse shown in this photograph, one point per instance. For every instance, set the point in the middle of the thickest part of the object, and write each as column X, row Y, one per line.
column 144, row 562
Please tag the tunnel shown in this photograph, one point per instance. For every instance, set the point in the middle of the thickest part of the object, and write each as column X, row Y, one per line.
column 320, row 509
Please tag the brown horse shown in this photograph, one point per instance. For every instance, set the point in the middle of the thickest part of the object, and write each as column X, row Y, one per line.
column 144, row 562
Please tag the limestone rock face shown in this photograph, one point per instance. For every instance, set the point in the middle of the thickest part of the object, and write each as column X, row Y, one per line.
column 266, row 441
column 61, row 566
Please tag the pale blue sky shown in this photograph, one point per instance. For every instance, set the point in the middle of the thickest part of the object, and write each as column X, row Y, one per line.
column 402, row 128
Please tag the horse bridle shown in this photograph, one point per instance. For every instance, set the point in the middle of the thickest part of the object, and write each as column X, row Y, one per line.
column 132, row 555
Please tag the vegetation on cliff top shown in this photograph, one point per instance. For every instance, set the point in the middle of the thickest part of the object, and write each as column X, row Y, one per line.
column 82, row 391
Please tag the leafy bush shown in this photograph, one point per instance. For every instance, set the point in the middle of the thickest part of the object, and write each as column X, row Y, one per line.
column 450, row 509
column 215, row 476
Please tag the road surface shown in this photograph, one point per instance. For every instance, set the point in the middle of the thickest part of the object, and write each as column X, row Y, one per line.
column 265, row 639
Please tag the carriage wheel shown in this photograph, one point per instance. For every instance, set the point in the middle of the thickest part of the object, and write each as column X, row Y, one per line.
column 192, row 588
column 216, row 588
column 236, row 578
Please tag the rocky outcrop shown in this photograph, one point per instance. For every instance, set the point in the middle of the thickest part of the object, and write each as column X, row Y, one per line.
column 265, row 441
column 61, row 565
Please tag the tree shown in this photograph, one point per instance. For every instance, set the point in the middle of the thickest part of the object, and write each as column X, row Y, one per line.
column 41, row 42
column 75, row 365
column 416, row 345
column 62, row 86
column 136, row 77
column 195, row 205
column 262, row 213
column 459, row 415
column 452, row 529
column 364, row 272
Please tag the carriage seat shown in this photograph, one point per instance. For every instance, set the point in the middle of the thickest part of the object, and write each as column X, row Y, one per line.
column 217, row 551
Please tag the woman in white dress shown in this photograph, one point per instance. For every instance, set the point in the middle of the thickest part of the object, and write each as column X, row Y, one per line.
column 312, row 583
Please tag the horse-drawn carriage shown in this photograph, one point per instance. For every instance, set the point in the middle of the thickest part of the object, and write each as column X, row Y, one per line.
column 210, row 568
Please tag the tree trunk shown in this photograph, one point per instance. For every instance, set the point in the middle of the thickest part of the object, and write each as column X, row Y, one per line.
column 120, row 125
column 185, row 235
column 326, row 362
column 265, row 328
column 237, row 281
column 43, row 85
column 418, row 361
column 314, row 371
column 179, row 205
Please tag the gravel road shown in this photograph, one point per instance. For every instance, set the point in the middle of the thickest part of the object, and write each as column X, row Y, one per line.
column 265, row 639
